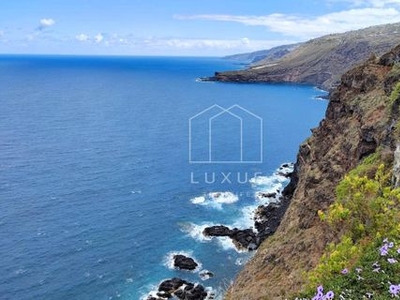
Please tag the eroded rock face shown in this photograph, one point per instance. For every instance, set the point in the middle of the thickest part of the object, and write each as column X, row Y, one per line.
column 358, row 120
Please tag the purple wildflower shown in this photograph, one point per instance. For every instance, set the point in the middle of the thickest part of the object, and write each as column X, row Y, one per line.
column 329, row 295
column 344, row 271
column 391, row 245
column 384, row 250
column 398, row 250
column 394, row 289
column 392, row 260
column 320, row 294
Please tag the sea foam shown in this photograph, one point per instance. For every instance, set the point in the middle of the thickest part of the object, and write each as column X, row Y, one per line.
column 271, row 185
column 215, row 199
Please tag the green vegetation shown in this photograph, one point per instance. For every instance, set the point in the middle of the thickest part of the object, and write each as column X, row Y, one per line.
column 365, row 261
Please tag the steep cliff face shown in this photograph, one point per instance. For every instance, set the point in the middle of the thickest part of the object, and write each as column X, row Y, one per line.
column 361, row 117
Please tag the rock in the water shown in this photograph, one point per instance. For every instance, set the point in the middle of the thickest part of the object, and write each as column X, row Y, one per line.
column 242, row 239
column 185, row 263
column 205, row 274
column 180, row 289
column 191, row 292
column 266, row 195
column 219, row 230
column 285, row 174
column 169, row 286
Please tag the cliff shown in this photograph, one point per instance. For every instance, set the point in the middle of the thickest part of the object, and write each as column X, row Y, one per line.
column 361, row 117
column 320, row 61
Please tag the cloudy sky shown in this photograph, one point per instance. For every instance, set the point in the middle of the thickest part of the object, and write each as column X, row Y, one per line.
column 178, row 27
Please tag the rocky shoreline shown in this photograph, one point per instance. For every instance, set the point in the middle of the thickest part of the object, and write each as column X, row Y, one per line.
column 266, row 218
column 180, row 289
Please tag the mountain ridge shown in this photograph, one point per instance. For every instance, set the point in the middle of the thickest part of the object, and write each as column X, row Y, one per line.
column 320, row 61
column 272, row 54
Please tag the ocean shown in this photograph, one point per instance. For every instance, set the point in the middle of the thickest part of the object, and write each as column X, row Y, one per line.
column 110, row 165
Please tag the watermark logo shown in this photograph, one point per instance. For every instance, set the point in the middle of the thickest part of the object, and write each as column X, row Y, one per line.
column 225, row 135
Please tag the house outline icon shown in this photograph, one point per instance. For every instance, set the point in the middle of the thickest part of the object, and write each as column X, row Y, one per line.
column 225, row 111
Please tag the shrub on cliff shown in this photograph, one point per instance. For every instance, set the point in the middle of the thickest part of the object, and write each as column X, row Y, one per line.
column 365, row 262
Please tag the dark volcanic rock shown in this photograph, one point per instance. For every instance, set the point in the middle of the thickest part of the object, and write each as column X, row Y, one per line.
column 267, row 219
column 191, row 292
column 169, row 286
column 180, row 289
column 245, row 239
column 267, row 195
column 219, row 230
column 184, row 263
column 285, row 174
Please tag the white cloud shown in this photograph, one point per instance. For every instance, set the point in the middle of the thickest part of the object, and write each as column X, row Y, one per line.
column 99, row 38
column 234, row 45
column 103, row 39
column 47, row 22
column 368, row 3
column 82, row 37
column 309, row 27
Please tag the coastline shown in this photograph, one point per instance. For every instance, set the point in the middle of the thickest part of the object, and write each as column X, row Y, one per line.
column 266, row 215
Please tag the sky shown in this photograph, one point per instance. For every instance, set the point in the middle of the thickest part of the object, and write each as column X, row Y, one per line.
column 178, row 27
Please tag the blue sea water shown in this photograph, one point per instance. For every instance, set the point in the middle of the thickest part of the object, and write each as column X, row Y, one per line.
column 96, row 187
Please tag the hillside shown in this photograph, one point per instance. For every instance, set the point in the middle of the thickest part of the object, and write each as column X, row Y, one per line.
column 320, row 61
column 263, row 55
column 362, row 119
